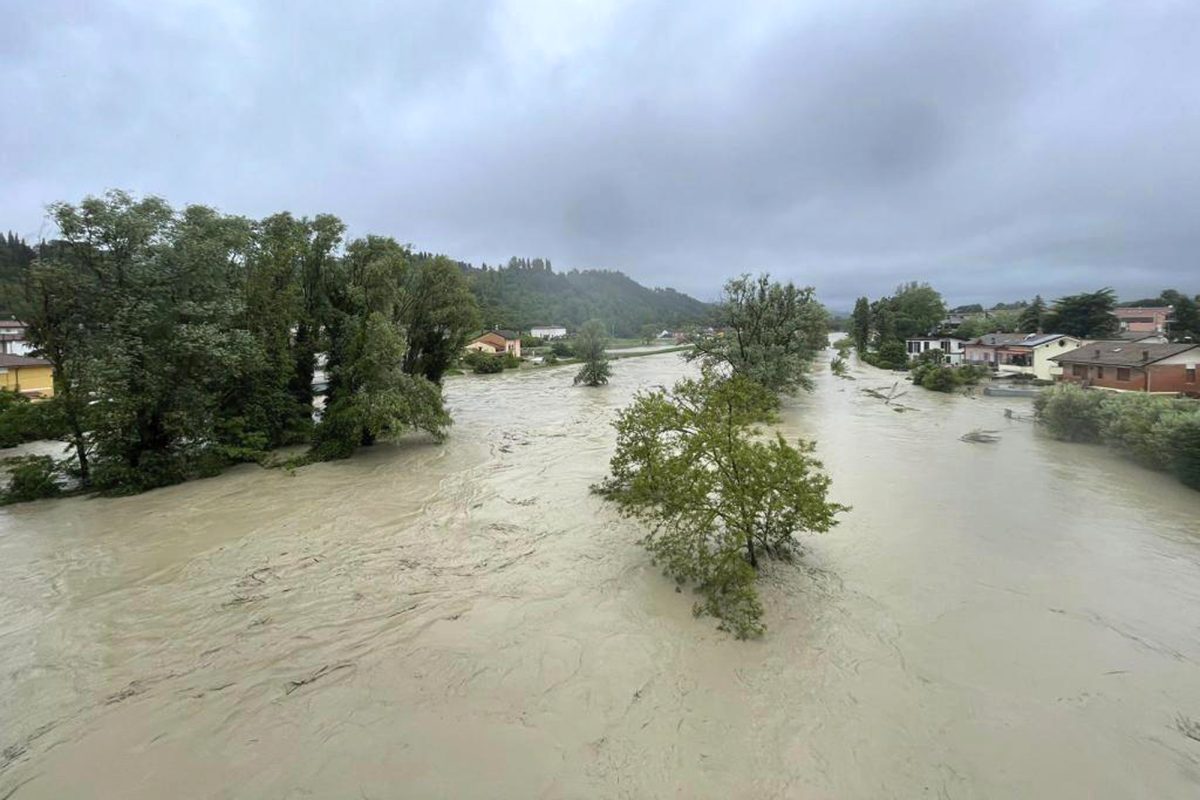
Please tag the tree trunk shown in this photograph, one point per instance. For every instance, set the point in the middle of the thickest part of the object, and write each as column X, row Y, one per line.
column 750, row 550
column 85, row 476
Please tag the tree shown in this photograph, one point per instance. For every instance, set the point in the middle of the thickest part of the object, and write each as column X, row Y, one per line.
column 370, row 395
column 437, row 313
column 1088, row 315
column 771, row 333
column 648, row 333
column 919, row 309
column 692, row 464
column 1185, row 316
column 136, row 305
column 989, row 322
column 590, row 345
column 860, row 324
column 1032, row 318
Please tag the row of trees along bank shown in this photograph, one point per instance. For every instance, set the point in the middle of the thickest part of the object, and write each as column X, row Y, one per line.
column 1157, row 432
column 718, row 494
column 186, row 340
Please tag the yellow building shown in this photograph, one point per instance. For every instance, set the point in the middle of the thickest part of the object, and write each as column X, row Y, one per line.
column 32, row 377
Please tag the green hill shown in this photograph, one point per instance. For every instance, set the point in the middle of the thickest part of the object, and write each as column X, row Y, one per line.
column 527, row 292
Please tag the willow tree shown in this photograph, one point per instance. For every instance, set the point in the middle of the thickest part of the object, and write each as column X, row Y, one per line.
column 590, row 346
column 717, row 495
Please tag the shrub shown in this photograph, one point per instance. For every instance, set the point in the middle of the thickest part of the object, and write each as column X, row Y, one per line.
column 30, row 478
column 509, row 361
column 930, row 374
column 22, row 420
column 562, row 350
column 1070, row 413
column 1157, row 432
column 1185, row 451
column 1135, row 425
column 483, row 363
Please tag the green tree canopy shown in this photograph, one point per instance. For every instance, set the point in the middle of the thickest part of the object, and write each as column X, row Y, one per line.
column 860, row 324
column 1087, row 315
column 717, row 495
column 1033, row 317
column 589, row 346
column 771, row 333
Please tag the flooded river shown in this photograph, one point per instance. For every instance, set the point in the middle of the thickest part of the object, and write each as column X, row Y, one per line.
column 1018, row 619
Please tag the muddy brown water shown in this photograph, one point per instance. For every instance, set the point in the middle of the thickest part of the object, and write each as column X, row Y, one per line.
column 1018, row 619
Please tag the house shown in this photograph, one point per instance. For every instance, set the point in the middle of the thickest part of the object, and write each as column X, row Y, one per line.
column 1137, row 367
column 952, row 347
column 13, row 341
column 548, row 331
column 497, row 342
column 1020, row 353
column 32, row 377
column 1151, row 319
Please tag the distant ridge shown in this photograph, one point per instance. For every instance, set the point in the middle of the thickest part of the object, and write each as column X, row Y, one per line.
column 527, row 292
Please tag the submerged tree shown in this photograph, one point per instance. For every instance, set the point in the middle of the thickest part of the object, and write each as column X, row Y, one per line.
column 370, row 394
column 590, row 345
column 717, row 496
column 860, row 324
column 771, row 333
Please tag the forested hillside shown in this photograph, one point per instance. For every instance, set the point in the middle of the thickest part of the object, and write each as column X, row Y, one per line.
column 527, row 292
column 15, row 256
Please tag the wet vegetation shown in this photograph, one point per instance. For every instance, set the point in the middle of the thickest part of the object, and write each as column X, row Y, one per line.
column 1161, row 433
column 589, row 346
column 695, row 465
column 186, row 340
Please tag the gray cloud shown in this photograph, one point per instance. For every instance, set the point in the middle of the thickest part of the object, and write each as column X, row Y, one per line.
column 995, row 149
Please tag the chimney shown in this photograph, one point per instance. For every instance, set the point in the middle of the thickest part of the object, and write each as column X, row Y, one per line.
column 1145, row 355
column 1096, row 353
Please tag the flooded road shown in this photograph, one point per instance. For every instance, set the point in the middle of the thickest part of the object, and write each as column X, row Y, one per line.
column 1018, row 619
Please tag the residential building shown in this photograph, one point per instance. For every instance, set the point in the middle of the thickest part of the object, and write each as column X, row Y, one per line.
column 12, row 338
column 952, row 347
column 548, row 331
column 1020, row 353
column 1137, row 367
column 497, row 341
column 32, row 377
column 1148, row 319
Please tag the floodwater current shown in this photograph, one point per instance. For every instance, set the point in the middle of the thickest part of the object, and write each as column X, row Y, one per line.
column 1015, row 619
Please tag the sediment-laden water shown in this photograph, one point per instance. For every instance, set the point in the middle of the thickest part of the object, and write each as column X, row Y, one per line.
column 1018, row 619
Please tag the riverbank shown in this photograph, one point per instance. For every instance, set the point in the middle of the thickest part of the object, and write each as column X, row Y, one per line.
column 465, row 619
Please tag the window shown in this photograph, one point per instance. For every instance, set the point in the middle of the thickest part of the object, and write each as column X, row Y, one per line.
column 1122, row 373
column 927, row 346
column 1189, row 375
column 1079, row 370
column 1099, row 372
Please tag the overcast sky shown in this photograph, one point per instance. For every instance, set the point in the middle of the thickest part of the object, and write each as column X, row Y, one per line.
column 993, row 149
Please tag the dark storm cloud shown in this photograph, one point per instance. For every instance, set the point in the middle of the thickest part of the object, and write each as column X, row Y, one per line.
column 993, row 149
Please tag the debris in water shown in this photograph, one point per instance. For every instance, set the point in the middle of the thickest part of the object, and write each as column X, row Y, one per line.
column 1188, row 727
column 889, row 396
column 980, row 436
column 292, row 686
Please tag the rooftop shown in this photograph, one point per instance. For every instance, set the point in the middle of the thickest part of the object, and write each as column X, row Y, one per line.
column 22, row 361
column 1017, row 339
column 1123, row 354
